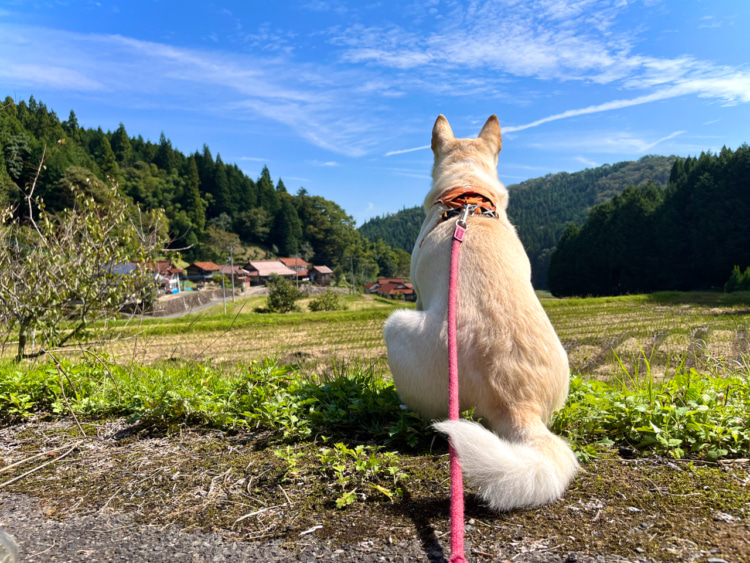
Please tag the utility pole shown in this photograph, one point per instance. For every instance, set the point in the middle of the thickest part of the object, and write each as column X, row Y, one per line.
column 224, row 292
column 231, row 273
column 351, row 263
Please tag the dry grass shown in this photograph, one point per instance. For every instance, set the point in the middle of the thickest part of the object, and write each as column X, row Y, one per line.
column 592, row 331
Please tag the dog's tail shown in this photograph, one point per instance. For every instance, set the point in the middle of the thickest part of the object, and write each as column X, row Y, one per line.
column 512, row 474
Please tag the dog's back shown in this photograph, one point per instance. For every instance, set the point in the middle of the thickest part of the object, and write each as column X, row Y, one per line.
column 512, row 367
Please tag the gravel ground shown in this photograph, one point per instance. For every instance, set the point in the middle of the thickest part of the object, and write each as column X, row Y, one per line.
column 116, row 538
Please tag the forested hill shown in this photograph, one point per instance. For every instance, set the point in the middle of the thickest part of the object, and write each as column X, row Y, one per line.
column 541, row 207
column 211, row 205
column 398, row 230
column 687, row 237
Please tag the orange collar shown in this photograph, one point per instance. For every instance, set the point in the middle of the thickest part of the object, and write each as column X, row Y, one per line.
column 467, row 195
column 456, row 198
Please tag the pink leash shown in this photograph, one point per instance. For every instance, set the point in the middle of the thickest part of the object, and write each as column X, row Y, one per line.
column 457, row 484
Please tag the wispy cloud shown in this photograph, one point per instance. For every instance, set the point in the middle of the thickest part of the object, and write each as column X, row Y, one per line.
column 311, row 100
column 551, row 40
column 402, row 151
column 349, row 103
column 615, row 104
column 57, row 77
column 586, row 161
column 620, row 142
column 323, row 163
column 253, row 159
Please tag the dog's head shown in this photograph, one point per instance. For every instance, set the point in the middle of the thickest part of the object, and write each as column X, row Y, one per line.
column 466, row 161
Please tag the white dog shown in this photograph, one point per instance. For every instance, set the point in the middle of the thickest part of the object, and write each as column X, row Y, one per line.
column 512, row 367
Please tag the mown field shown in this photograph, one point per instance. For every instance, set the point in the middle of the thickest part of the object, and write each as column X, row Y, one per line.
column 706, row 329
column 265, row 426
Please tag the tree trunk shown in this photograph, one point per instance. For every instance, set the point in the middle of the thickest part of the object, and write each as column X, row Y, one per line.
column 21, row 341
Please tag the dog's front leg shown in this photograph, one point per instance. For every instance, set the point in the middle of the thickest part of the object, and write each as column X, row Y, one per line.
column 418, row 360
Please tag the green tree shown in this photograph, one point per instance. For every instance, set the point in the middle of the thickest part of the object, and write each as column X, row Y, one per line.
column 59, row 273
column 164, row 157
column 254, row 225
column 121, row 146
column 106, row 160
column 194, row 204
column 222, row 195
column 282, row 296
column 287, row 229
column 267, row 196
column 220, row 243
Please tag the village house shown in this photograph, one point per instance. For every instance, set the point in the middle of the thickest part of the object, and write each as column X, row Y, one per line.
column 392, row 287
column 320, row 275
column 168, row 275
column 296, row 264
column 260, row 270
column 201, row 272
column 240, row 276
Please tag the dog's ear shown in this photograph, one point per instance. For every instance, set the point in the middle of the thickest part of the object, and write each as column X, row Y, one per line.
column 490, row 133
column 441, row 134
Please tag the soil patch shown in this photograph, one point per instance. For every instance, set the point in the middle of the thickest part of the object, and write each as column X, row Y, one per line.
column 220, row 494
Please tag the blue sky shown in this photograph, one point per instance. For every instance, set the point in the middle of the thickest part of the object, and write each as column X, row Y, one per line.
column 340, row 97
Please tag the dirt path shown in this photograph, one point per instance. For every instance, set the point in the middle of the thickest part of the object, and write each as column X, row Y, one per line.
column 119, row 537
column 202, row 495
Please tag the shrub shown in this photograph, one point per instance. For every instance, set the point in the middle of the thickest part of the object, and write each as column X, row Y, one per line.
column 738, row 281
column 283, row 295
column 326, row 302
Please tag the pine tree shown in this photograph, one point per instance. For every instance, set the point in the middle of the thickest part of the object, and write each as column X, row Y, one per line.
column 194, row 205
column 121, row 146
column 71, row 125
column 164, row 158
column 267, row 196
column 287, row 229
column 105, row 158
column 222, row 195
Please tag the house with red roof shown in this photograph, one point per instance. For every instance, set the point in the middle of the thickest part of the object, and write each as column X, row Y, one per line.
column 202, row 271
column 260, row 270
column 392, row 287
column 296, row 264
column 240, row 276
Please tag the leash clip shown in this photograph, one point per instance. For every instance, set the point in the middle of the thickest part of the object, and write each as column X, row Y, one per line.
column 461, row 224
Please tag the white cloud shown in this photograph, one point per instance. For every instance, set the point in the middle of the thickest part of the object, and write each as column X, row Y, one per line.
column 50, row 76
column 313, row 101
column 403, row 151
column 326, row 163
column 603, row 142
column 587, row 161
column 253, row 159
column 563, row 40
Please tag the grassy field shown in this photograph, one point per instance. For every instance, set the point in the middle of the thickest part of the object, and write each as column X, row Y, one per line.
column 700, row 329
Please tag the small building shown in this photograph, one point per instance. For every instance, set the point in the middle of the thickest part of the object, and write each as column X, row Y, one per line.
column 260, row 270
column 392, row 287
column 296, row 264
column 240, row 276
column 320, row 275
column 168, row 275
column 202, row 271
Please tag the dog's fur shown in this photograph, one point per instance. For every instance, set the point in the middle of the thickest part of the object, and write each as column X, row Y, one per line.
column 512, row 367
